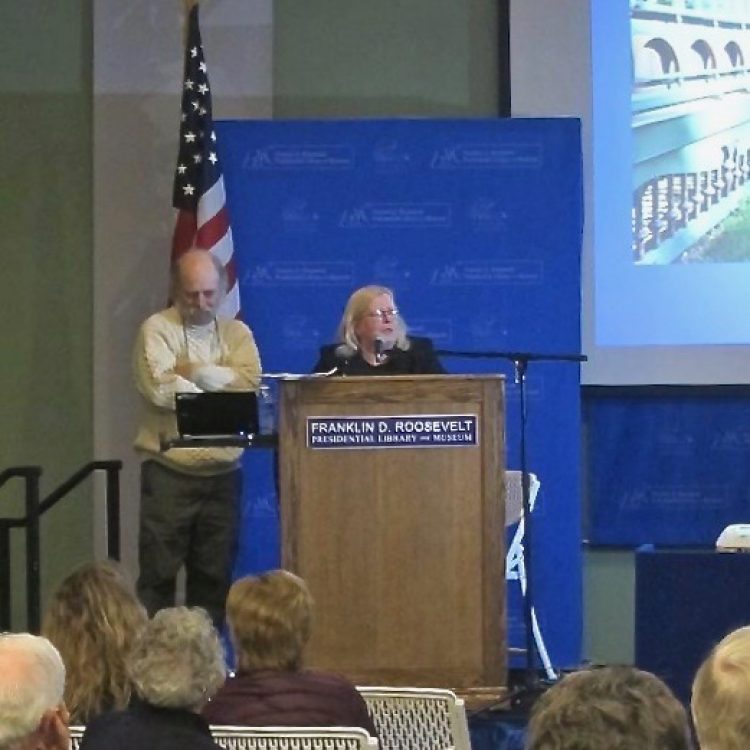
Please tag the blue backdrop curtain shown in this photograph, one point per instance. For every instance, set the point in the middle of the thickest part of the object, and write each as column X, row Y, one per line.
column 477, row 227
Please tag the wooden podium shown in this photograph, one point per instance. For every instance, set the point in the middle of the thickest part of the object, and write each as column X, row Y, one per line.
column 401, row 539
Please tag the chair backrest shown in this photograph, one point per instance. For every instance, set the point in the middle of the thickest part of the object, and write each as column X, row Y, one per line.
column 514, row 495
column 292, row 738
column 76, row 735
column 417, row 718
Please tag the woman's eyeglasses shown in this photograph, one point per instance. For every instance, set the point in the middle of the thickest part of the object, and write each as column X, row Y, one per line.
column 382, row 314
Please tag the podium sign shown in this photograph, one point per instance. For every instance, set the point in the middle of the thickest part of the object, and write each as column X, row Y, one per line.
column 392, row 511
column 403, row 430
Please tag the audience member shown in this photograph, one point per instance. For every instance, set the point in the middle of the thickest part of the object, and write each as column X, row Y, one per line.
column 373, row 340
column 270, row 619
column 721, row 695
column 617, row 708
column 32, row 680
column 176, row 665
column 93, row 619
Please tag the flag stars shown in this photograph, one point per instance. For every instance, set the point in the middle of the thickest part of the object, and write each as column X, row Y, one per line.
column 197, row 161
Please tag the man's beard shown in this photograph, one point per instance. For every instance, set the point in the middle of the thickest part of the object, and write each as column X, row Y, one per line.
column 197, row 317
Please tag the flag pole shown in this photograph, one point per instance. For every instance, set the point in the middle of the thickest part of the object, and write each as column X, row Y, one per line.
column 187, row 5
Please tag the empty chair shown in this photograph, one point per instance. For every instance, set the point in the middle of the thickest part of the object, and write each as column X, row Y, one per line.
column 417, row 718
column 76, row 735
column 292, row 738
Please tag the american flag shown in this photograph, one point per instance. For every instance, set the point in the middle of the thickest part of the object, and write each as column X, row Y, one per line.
column 198, row 195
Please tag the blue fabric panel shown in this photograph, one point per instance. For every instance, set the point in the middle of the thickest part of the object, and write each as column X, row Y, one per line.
column 668, row 466
column 675, row 591
column 477, row 226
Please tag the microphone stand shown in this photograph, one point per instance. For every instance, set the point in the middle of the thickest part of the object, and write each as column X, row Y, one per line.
column 531, row 687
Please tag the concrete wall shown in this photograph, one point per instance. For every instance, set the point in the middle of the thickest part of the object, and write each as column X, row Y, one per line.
column 45, row 215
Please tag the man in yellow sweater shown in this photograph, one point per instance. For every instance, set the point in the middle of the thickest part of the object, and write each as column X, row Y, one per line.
column 189, row 496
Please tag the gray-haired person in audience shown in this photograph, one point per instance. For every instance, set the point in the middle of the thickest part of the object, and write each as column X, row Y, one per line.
column 721, row 695
column 177, row 664
column 612, row 707
column 32, row 680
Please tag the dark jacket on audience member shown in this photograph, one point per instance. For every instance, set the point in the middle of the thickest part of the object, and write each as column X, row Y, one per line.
column 267, row 697
column 143, row 727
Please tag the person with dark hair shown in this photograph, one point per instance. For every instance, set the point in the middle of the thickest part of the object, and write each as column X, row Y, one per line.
column 270, row 620
column 189, row 496
column 373, row 340
column 612, row 707
column 93, row 618
column 175, row 666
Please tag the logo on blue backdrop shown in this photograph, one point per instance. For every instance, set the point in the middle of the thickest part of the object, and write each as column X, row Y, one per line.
column 487, row 215
column 392, row 270
column 487, row 330
column 675, row 442
column 403, row 431
column 731, row 441
column 397, row 216
column 297, row 331
column 298, row 217
column 300, row 272
column 488, row 272
column 684, row 497
column 390, row 157
column 261, row 506
column 440, row 330
column 488, row 156
column 313, row 157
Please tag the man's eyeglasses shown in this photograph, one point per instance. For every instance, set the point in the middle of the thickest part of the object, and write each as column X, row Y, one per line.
column 391, row 312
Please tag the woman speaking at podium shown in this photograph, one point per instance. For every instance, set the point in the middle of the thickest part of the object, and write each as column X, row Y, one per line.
column 372, row 340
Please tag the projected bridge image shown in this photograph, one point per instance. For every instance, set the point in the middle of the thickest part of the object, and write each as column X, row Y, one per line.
column 691, row 131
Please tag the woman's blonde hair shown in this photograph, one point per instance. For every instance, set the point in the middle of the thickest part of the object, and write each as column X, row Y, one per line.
column 721, row 694
column 92, row 619
column 357, row 306
column 270, row 619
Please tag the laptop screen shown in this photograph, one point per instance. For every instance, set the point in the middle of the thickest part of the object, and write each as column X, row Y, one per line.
column 220, row 414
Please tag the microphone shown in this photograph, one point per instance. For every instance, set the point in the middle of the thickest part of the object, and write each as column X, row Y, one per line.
column 379, row 346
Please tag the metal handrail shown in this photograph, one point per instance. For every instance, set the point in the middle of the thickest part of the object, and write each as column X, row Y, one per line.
column 30, row 475
column 113, row 499
column 34, row 509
